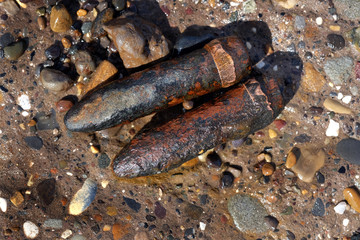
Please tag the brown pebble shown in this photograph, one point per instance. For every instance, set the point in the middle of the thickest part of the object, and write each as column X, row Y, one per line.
column 290, row 160
column 352, row 196
column 31, row 123
column 60, row 19
column 267, row 169
column 188, row 104
column 81, row 12
column 17, row 199
column 63, row 105
column 42, row 23
column 66, row 42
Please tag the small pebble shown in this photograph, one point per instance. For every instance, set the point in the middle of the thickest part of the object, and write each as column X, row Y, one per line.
column 81, row 12
column 34, row 142
column 54, row 80
column 271, row 222
column 30, row 230
column 213, row 160
column 66, row 43
column 53, row 223
column 15, row 50
column 6, row 39
column 290, row 235
column 83, row 197
column 227, row 180
column 141, row 236
column 46, row 191
column 346, row 222
column 41, row 23
column 339, row 69
column 335, row 41
column 67, row 233
column 319, row 21
column 352, row 196
column 280, row 124
column 267, row 169
column 3, row 204
column 346, row 99
column 272, row 133
column 320, row 178
column 60, row 19
column 119, row 4
column 309, row 161
column 63, row 105
column 291, row 159
column 94, row 149
column 133, row 204
column 340, row 207
column 335, row 106
column 333, row 129
column 349, row 149
column 318, row 208
column 104, row 161
column 53, row 52
column 188, row 104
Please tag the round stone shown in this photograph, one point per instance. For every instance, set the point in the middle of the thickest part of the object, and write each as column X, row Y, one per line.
column 60, row 19
column 54, row 80
column 30, row 230
column 14, row 51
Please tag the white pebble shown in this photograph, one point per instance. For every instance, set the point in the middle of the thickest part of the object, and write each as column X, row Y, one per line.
column 346, row 99
column 340, row 207
column 3, row 204
column 319, row 21
column 333, row 129
column 25, row 113
column 67, row 233
column 24, row 102
column 346, row 222
column 202, row 226
column 340, row 96
column 30, row 230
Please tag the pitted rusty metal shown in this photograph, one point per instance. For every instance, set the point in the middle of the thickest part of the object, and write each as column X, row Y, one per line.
column 222, row 63
column 237, row 113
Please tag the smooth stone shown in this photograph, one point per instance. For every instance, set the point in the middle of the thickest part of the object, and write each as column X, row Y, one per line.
column 308, row 162
column 333, row 129
column 46, row 121
column 119, row 4
column 352, row 196
column 318, row 209
column 302, row 138
column 83, row 63
column 6, row 39
column 83, row 197
column 53, row 223
column 34, row 142
column 335, row 41
column 78, row 237
column 159, row 211
column 271, row 222
column 138, row 41
column 299, row 22
column 312, row 80
column 213, row 160
column 3, row 204
column 63, row 105
column 248, row 213
column 10, row 7
column 103, row 72
column 86, row 27
column 104, row 161
column 340, row 207
column 348, row 9
column 46, row 191
column 227, row 180
column 14, row 50
column 104, row 16
column 141, row 236
column 290, row 235
column 53, row 52
column 55, row 80
column 134, row 205
column 336, row 107
column 60, row 19
column 89, row 5
column 339, row 69
column 194, row 212
column 320, row 178
column 193, row 37
column 353, row 36
column 120, row 230
column 30, row 230
column 288, row 4
column 349, row 149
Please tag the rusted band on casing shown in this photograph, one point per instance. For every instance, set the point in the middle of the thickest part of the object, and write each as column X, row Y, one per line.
column 224, row 63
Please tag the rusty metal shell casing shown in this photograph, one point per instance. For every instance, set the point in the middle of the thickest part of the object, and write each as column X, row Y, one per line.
column 236, row 114
column 220, row 64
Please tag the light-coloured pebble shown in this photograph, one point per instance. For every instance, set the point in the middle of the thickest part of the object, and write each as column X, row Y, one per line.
column 346, row 222
column 30, row 230
column 3, row 204
column 67, row 233
column 310, row 160
column 340, row 207
column 83, row 197
column 319, row 21
column 24, row 102
column 346, row 99
column 333, row 129
column 272, row 133
column 352, row 196
column 336, row 107
column 202, row 226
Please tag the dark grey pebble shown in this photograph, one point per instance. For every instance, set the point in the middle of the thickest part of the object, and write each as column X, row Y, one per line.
column 204, row 199
column 193, row 211
column 342, row 170
column 53, row 52
column 134, row 205
column 302, row 138
column 335, row 41
column 46, row 121
column 96, row 228
column 318, row 208
column 119, row 4
column 86, row 27
column 103, row 161
column 150, row 218
column 213, row 160
column 226, row 180
column 189, row 233
column 349, row 149
column 159, row 211
column 320, row 177
column 6, row 39
column 46, row 191
column 34, row 142
column 271, row 222
column 89, row 5
column 290, row 235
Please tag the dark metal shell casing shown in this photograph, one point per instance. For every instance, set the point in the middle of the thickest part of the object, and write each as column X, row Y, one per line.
column 220, row 64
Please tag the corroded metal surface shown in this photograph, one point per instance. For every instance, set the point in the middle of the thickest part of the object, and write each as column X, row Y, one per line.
column 220, row 64
column 239, row 112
